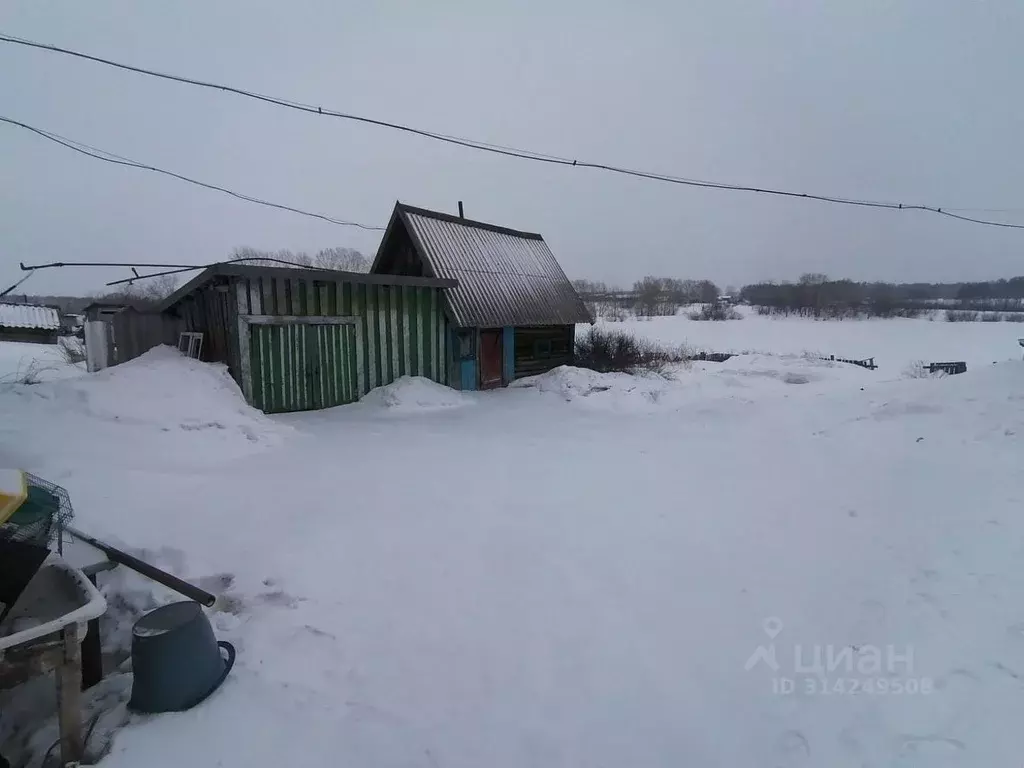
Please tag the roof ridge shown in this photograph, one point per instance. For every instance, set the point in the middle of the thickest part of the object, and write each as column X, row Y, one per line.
column 471, row 223
column 23, row 304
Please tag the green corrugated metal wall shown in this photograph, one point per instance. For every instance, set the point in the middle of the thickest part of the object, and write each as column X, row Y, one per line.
column 302, row 367
column 397, row 331
column 334, row 381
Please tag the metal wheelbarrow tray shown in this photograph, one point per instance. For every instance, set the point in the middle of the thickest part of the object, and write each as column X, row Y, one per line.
column 57, row 597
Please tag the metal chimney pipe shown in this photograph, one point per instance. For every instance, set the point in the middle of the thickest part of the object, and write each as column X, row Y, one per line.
column 461, row 214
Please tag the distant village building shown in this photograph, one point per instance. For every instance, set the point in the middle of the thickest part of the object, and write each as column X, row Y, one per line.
column 29, row 322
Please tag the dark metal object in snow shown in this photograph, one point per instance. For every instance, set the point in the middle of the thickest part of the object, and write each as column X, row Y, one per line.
column 149, row 571
column 176, row 660
column 713, row 357
column 868, row 362
column 948, row 368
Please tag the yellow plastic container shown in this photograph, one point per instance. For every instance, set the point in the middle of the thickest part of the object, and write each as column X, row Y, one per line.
column 13, row 492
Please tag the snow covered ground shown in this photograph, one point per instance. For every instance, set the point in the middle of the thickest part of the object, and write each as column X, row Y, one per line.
column 581, row 570
column 894, row 343
column 37, row 362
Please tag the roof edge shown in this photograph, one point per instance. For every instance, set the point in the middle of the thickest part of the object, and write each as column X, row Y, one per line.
column 338, row 276
column 384, row 240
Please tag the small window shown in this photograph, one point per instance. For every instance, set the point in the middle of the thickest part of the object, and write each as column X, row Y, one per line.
column 542, row 348
column 190, row 344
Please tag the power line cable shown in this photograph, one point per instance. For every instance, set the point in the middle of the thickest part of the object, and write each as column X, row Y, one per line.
column 171, row 269
column 8, row 290
column 507, row 151
column 110, row 157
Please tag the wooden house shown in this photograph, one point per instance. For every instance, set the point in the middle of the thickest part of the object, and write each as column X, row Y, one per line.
column 513, row 312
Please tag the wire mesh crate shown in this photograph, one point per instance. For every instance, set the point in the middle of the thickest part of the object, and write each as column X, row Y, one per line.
column 43, row 515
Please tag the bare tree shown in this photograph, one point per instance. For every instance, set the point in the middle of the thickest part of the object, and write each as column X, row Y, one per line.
column 144, row 293
column 589, row 287
column 156, row 288
column 338, row 258
column 344, row 259
column 251, row 255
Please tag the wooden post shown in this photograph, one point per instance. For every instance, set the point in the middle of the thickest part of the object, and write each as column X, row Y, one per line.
column 91, row 652
column 69, row 696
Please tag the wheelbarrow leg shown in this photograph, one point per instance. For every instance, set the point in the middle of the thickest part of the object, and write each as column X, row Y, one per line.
column 69, row 697
column 92, row 653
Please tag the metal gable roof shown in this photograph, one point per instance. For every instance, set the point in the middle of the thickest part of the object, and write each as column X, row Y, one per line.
column 29, row 316
column 505, row 277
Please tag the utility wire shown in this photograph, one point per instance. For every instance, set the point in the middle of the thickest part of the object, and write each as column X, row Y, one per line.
column 8, row 290
column 242, row 260
column 110, row 157
column 508, row 151
column 170, row 269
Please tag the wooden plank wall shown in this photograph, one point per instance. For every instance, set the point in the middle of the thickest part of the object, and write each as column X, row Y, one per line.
column 135, row 333
column 211, row 311
column 532, row 355
column 400, row 330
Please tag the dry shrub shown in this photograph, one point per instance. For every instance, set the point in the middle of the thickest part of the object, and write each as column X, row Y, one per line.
column 961, row 315
column 918, row 369
column 715, row 312
column 617, row 351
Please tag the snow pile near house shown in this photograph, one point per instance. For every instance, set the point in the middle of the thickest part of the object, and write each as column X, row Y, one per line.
column 614, row 390
column 415, row 393
column 161, row 401
column 164, row 389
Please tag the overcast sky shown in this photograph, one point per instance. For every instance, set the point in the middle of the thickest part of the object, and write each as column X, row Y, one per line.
column 903, row 100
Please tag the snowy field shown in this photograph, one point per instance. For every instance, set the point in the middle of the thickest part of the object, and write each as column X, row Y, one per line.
column 581, row 570
column 894, row 343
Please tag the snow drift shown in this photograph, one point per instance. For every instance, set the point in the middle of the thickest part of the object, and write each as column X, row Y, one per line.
column 161, row 401
column 410, row 393
column 166, row 390
column 742, row 376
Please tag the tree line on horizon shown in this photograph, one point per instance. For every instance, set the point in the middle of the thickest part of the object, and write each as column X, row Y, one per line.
column 813, row 294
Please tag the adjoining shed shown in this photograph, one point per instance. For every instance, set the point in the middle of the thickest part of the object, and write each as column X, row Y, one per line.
column 513, row 312
column 104, row 310
column 300, row 339
column 29, row 322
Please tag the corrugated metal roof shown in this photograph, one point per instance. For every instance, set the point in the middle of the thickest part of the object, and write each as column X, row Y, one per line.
column 28, row 316
column 505, row 277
